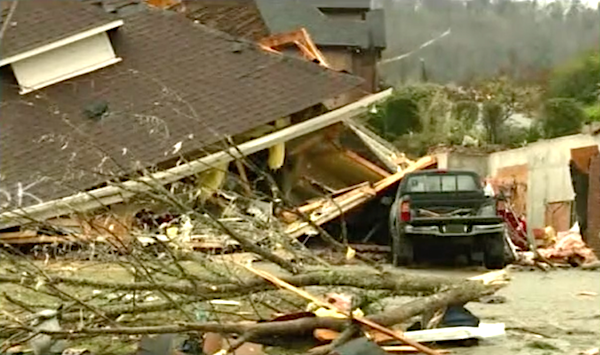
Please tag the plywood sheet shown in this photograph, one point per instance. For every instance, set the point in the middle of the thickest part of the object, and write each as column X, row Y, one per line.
column 593, row 210
column 581, row 157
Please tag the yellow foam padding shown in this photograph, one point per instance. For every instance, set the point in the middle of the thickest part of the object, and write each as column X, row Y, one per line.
column 212, row 180
column 277, row 152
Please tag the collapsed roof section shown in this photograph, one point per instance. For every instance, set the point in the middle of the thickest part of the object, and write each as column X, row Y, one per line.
column 288, row 15
column 256, row 19
column 180, row 88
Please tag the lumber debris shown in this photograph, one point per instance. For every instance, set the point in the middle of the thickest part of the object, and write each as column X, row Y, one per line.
column 329, row 209
column 301, row 39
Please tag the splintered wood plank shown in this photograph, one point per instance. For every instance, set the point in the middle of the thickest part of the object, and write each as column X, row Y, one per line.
column 17, row 235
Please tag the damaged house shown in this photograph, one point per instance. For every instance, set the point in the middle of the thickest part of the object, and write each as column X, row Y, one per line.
column 92, row 102
column 348, row 34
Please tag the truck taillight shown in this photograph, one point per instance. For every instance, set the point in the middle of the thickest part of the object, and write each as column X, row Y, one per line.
column 405, row 211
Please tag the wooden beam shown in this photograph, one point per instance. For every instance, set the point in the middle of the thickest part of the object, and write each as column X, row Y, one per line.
column 101, row 197
column 301, row 39
column 308, row 42
column 366, row 163
column 242, row 170
column 319, row 202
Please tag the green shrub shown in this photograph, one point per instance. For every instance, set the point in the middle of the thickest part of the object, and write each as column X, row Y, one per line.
column 494, row 116
column 592, row 112
column 467, row 112
column 561, row 117
column 402, row 113
column 578, row 80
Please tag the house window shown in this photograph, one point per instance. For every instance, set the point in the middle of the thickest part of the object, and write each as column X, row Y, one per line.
column 64, row 62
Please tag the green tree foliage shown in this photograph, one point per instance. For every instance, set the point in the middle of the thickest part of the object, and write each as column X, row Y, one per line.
column 420, row 116
column 579, row 80
column 403, row 113
column 592, row 112
column 494, row 115
column 396, row 117
column 561, row 117
column 467, row 112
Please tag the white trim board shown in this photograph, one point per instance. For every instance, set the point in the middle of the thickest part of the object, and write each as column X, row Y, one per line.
column 89, row 200
column 483, row 331
column 61, row 43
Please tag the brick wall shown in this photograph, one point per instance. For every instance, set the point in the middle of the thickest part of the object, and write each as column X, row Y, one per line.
column 593, row 232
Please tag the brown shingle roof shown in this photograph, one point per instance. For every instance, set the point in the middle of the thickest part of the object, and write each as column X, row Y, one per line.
column 240, row 18
column 36, row 23
column 179, row 84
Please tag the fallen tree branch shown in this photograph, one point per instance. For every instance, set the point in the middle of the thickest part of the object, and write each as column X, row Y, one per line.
column 398, row 282
column 348, row 314
column 266, row 331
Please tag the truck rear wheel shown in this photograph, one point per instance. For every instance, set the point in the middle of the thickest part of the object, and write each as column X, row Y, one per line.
column 402, row 250
column 493, row 257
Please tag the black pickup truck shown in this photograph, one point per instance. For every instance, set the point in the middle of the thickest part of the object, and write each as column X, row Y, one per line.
column 452, row 205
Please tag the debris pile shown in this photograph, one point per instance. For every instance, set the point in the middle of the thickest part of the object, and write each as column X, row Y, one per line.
column 562, row 249
column 567, row 248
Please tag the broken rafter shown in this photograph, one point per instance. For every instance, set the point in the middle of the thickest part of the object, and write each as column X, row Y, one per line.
column 384, row 151
column 301, row 39
column 98, row 198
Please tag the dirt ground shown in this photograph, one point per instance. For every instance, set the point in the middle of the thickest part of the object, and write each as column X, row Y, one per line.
column 544, row 313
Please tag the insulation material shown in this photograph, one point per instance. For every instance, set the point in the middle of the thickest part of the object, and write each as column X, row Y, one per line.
column 569, row 248
column 277, row 152
column 211, row 180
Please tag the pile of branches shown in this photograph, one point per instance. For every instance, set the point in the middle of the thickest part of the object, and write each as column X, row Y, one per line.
column 179, row 284
column 179, row 292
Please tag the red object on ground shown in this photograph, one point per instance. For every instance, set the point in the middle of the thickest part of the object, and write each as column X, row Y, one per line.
column 517, row 227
